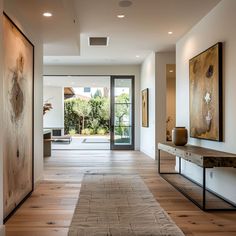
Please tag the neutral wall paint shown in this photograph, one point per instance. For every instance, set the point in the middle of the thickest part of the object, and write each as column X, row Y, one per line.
column 147, row 134
column 35, row 37
column 1, row 121
column 105, row 70
column 153, row 76
column 55, row 117
column 171, row 97
column 217, row 26
column 162, row 59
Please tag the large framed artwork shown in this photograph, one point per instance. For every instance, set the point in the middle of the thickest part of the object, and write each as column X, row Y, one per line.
column 205, row 73
column 18, row 133
column 145, row 118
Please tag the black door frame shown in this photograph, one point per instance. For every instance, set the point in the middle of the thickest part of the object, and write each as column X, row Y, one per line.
column 112, row 116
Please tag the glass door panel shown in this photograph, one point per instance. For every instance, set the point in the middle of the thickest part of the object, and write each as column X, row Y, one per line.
column 122, row 112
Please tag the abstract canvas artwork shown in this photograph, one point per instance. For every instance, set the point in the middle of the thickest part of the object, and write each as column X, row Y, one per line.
column 145, row 108
column 205, row 73
column 18, row 116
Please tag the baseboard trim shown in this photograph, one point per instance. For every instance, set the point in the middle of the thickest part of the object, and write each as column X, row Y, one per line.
column 148, row 153
column 2, row 230
column 37, row 182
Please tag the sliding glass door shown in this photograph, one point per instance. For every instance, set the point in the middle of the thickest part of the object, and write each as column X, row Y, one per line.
column 122, row 112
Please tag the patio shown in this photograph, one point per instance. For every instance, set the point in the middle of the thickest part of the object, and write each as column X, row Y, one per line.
column 84, row 142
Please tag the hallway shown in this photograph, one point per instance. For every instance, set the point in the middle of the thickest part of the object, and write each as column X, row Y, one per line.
column 48, row 212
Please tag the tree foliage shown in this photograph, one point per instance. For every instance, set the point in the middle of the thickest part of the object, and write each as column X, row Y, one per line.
column 93, row 116
column 90, row 115
column 71, row 118
column 83, row 109
column 122, row 108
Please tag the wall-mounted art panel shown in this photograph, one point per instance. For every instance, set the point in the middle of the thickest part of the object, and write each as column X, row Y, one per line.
column 145, row 118
column 18, row 84
column 205, row 73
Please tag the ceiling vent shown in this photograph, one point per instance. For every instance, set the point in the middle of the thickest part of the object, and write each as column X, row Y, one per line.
column 125, row 3
column 98, row 41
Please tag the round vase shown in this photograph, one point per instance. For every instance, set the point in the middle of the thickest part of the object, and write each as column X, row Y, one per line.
column 179, row 136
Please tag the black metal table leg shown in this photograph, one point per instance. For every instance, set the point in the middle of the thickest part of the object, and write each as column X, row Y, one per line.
column 204, row 189
column 179, row 165
column 202, row 204
column 159, row 161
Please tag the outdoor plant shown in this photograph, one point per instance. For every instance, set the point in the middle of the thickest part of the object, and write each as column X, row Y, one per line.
column 87, row 131
column 121, row 113
column 93, row 116
column 83, row 109
column 71, row 118
column 101, row 131
column 94, row 124
column 72, row 132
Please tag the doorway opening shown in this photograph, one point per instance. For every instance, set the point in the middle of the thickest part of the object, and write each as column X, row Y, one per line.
column 170, row 100
column 80, row 114
column 90, row 112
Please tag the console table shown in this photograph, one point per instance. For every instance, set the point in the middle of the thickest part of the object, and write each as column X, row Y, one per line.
column 205, row 158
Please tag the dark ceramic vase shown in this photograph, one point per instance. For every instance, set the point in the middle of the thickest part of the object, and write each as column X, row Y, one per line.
column 179, row 136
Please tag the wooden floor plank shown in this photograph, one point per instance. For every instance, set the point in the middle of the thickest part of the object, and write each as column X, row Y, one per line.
column 48, row 212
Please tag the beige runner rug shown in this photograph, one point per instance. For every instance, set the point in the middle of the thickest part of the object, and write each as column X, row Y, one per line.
column 119, row 205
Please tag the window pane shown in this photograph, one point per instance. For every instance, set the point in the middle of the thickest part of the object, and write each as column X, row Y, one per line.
column 123, row 115
column 123, row 135
column 123, row 91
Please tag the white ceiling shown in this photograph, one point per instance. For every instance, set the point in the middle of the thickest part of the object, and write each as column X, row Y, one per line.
column 144, row 29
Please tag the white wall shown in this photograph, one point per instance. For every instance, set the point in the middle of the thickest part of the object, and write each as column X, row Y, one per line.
column 147, row 134
column 38, row 111
column 35, row 37
column 162, row 59
column 105, row 70
column 171, row 97
column 55, row 117
column 153, row 76
column 217, row 26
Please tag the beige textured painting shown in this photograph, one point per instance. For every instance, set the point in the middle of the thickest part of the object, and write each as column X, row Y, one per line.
column 205, row 72
column 18, row 116
column 145, row 108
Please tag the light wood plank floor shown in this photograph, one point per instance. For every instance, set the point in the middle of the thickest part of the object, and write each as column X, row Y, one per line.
column 48, row 212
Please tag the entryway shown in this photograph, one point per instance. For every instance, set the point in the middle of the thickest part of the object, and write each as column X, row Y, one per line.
column 90, row 112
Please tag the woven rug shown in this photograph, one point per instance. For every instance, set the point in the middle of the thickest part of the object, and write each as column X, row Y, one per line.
column 119, row 205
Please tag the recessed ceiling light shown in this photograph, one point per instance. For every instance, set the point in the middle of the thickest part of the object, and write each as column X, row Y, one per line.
column 47, row 14
column 171, row 71
column 170, row 32
column 121, row 16
column 137, row 56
